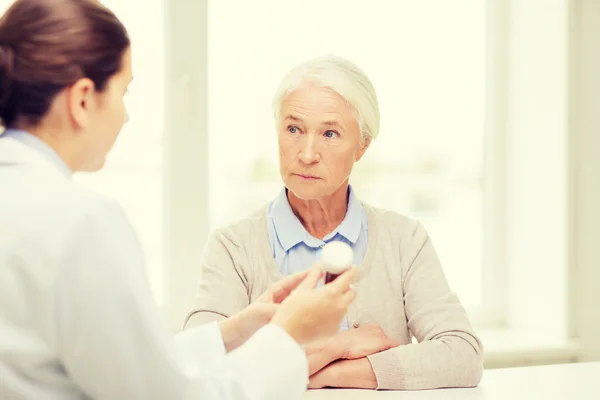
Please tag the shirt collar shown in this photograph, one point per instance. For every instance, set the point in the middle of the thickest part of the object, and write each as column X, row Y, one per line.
column 352, row 223
column 41, row 147
column 290, row 230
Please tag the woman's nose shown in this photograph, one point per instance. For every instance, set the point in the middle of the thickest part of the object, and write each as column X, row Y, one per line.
column 309, row 153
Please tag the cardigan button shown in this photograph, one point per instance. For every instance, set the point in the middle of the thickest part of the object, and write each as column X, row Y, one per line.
column 356, row 324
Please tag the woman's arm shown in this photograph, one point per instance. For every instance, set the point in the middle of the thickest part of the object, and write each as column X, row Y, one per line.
column 222, row 288
column 321, row 353
column 448, row 354
column 356, row 374
column 352, row 344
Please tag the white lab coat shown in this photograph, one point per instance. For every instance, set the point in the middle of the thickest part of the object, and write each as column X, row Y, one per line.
column 77, row 318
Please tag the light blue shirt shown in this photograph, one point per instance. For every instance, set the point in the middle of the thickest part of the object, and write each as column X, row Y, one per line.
column 295, row 250
column 40, row 146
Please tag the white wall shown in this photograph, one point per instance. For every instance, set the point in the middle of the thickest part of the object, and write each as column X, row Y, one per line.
column 585, row 176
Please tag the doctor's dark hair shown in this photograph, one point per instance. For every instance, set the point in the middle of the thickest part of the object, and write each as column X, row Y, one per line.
column 47, row 46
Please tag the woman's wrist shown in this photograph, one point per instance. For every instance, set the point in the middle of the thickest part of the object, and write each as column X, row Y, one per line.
column 230, row 333
column 238, row 328
column 332, row 348
column 337, row 347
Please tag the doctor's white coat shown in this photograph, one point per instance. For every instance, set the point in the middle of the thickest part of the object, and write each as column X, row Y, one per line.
column 77, row 318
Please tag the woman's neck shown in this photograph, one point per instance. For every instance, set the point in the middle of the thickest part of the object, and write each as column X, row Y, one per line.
column 54, row 138
column 321, row 216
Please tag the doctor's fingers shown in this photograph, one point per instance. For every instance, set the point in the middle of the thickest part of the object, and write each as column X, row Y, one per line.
column 344, row 282
column 339, row 298
column 311, row 279
column 348, row 297
column 282, row 289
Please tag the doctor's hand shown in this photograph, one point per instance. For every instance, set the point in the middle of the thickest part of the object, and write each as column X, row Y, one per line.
column 279, row 291
column 241, row 326
column 308, row 314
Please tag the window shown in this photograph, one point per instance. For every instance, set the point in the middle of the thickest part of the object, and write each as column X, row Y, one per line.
column 427, row 60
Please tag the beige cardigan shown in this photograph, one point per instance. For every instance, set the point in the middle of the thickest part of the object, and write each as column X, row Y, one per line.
column 402, row 288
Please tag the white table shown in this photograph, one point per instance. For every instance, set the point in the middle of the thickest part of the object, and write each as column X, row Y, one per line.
column 566, row 381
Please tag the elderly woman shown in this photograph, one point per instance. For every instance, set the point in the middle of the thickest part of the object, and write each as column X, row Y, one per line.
column 327, row 114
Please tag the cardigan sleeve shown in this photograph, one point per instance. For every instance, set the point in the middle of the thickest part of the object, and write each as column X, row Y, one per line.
column 222, row 287
column 448, row 353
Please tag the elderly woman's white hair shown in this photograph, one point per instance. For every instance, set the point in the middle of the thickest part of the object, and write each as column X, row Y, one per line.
column 344, row 78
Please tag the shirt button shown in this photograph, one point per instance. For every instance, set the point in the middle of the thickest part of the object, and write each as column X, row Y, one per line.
column 356, row 325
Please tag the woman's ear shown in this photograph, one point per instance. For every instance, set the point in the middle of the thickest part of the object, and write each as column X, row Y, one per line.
column 80, row 98
column 365, row 145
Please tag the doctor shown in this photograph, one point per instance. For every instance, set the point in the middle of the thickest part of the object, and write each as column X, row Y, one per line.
column 77, row 317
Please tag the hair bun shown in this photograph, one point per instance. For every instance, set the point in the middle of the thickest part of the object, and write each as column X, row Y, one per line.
column 7, row 61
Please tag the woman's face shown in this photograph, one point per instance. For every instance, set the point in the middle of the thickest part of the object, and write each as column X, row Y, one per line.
column 106, row 117
column 319, row 142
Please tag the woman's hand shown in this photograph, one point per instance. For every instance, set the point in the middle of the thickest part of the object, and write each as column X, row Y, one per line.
column 350, row 344
column 363, row 341
column 356, row 374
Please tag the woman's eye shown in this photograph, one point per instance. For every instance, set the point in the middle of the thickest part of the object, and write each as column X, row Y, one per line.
column 293, row 130
column 330, row 134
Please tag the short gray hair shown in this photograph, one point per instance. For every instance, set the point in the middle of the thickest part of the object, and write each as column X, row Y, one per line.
column 344, row 78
